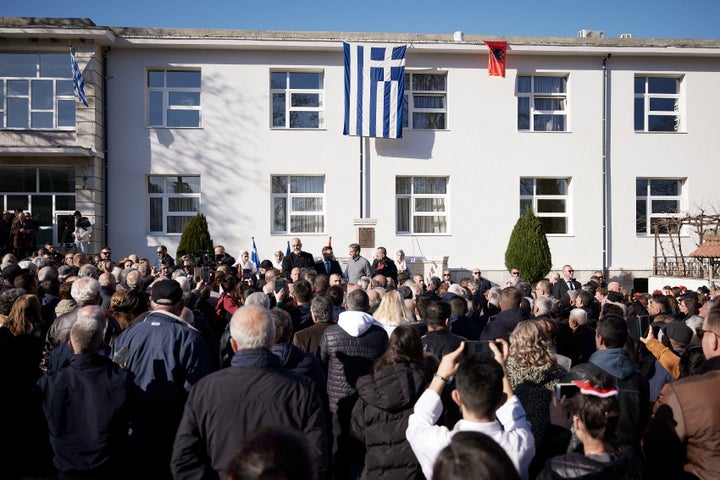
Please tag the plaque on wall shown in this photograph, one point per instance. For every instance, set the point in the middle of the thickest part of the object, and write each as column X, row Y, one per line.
column 366, row 237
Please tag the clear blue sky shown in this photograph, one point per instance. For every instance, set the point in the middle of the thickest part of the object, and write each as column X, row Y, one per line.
column 698, row 19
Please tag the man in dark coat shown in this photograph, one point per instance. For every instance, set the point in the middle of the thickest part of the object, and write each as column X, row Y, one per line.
column 328, row 265
column 88, row 405
column 322, row 311
column 565, row 283
column 510, row 315
column 296, row 258
column 382, row 265
column 255, row 391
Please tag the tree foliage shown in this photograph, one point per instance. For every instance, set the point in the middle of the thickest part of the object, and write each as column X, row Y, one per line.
column 196, row 236
column 528, row 248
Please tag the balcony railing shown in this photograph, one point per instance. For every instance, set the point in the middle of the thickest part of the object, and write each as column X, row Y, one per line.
column 688, row 267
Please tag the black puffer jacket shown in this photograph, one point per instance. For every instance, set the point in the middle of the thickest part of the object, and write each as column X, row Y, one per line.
column 620, row 465
column 347, row 352
column 380, row 418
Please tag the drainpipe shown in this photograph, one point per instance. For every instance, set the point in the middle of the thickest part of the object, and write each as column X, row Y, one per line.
column 605, row 166
column 105, row 146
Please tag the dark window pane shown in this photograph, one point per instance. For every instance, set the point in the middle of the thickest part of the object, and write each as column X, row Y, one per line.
column 421, row 101
column 526, row 186
column 523, row 113
column 181, row 79
column 554, row 224
column 18, row 87
column 429, row 204
column 306, row 184
column 279, row 184
column 307, row 204
column 17, row 113
column 64, row 87
column 15, row 202
column 176, row 224
column 662, row 123
column 42, row 210
column 183, row 118
column 156, row 215
column 155, row 109
column 549, row 123
column 55, row 65
column 402, row 185
column 156, row 78
column 433, row 224
column 189, row 99
column 307, row 223
column 402, row 214
column 41, row 120
column 639, row 84
column 664, row 104
column 641, row 187
column 304, row 119
column 305, row 80
column 665, row 206
column 429, row 185
column 184, row 184
column 663, row 85
column 429, row 121
column 183, row 204
column 42, row 94
column 664, row 187
column 66, row 113
column 524, row 205
column 639, row 114
column 641, row 216
column 64, row 202
column 278, row 109
column 19, row 64
column 57, row 180
column 156, row 184
column 550, row 206
column 551, row 186
column 17, row 179
column 428, row 82
column 549, row 85
column 277, row 79
column 524, row 84
column 305, row 100
column 279, row 214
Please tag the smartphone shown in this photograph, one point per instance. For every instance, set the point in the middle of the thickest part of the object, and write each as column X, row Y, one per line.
column 478, row 346
column 279, row 284
column 567, row 390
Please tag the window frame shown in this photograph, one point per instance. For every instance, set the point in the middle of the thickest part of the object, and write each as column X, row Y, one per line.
column 409, row 105
column 288, row 197
column 288, row 91
column 165, row 90
column 533, row 95
column 165, row 196
column 649, row 197
column 647, row 97
column 413, row 213
column 535, row 197
column 57, row 98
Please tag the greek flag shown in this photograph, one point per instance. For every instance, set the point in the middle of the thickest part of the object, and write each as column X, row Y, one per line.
column 374, row 88
column 78, row 81
column 254, row 255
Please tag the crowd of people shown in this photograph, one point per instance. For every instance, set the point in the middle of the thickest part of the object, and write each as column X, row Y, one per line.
column 305, row 368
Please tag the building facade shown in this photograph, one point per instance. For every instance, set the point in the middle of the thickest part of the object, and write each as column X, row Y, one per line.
column 603, row 137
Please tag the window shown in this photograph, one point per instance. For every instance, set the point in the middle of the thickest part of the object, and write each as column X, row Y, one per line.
column 48, row 193
column 421, row 205
column 542, row 103
column 174, row 98
column 36, row 92
column 657, row 199
column 174, row 200
column 297, row 99
column 424, row 103
column 298, row 204
column 548, row 198
column 657, row 104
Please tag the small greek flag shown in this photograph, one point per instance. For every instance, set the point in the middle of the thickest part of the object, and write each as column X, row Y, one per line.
column 254, row 255
column 374, row 89
column 78, row 81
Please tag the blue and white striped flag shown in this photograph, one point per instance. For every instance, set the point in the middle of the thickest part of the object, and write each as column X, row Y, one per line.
column 78, row 81
column 254, row 255
column 374, row 88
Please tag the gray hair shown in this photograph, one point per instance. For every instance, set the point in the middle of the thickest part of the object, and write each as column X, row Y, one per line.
column 579, row 315
column 85, row 289
column 494, row 296
column 259, row 299
column 88, row 270
column 364, row 282
column 252, row 327
column 322, row 309
column 46, row 273
column 134, row 280
column 543, row 305
column 88, row 330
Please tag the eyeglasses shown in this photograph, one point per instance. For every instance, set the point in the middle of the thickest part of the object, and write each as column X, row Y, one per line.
column 515, row 273
column 476, row 273
column 701, row 333
column 106, row 253
column 159, row 252
column 446, row 275
column 571, row 271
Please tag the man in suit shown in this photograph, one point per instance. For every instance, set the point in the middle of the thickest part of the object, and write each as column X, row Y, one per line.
column 328, row 265
column 567, row 282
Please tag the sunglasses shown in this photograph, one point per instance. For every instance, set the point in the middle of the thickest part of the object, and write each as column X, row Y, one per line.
column 515, row 273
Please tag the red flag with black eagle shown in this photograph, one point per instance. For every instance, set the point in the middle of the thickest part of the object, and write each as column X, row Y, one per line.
column 496, row 58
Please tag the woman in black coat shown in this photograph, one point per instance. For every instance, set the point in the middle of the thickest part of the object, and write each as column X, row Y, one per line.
column 386, row 400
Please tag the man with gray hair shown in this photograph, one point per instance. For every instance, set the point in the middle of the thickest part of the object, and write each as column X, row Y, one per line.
column 582, row 344
column 322, row 311
column 90, row 382
column 542, row 305
column 254, row 391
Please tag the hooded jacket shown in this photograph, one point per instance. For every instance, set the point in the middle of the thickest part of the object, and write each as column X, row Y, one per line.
column 633, row 390
column 380, row 418
column 347, row 352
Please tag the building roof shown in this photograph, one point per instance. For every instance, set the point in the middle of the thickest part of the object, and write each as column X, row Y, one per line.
column 710, row 248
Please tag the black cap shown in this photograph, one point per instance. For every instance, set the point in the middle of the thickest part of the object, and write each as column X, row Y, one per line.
column 266, row 264
column 679, row 332
column 616, row 297
column 166, row 292
column 10, row 272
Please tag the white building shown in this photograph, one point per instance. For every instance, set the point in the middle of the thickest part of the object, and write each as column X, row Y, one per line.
column 202, row 120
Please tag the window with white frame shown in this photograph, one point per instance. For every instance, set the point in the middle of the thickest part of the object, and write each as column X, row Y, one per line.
column 656, row 201
column 174, row 98
column 549, row 198
column 36, row 92
column 542, row 103
column 657, row 104
column 421, row 205
column 173, row 201
column 298, row 204
column 425, row 101
column 297, row 99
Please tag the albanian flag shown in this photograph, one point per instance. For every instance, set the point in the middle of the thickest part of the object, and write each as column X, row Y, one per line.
column 496, row 58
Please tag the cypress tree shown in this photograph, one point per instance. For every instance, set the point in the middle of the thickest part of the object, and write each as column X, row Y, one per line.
column 196, row 236
column 528, row 248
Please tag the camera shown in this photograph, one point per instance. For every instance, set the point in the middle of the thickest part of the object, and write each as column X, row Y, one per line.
column 479, row 346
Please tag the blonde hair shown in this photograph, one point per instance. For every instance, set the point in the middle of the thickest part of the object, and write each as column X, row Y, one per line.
column 530, row 347
column 392, row 309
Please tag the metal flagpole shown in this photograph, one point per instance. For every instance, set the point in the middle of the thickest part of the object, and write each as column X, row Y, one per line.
column 362, row 174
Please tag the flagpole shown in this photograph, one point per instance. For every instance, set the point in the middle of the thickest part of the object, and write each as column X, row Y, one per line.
column 362, row 174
